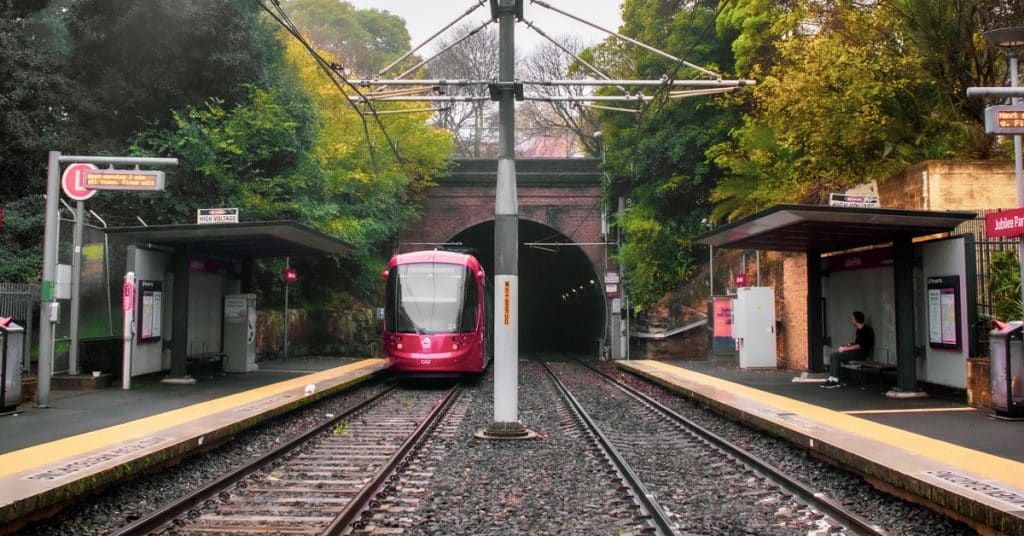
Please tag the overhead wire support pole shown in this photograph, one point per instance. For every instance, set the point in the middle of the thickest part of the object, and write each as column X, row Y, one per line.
column 431, row 38
column 506, row 236
column 627, row 39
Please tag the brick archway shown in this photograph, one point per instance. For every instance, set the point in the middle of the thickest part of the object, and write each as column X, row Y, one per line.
column 564, row 194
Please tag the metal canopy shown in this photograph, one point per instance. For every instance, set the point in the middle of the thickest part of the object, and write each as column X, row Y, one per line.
column 239, row 240
column 825, row 229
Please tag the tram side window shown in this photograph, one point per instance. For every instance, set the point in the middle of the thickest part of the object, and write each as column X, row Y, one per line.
column 391, row 300
column 470, row 303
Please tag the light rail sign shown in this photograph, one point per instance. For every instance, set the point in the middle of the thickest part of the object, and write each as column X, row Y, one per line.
column 1004, row 119
column 124, row 179
column 217, row 215
column 73, row 180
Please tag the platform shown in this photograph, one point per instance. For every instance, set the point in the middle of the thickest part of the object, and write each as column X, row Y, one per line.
column 92, row 439
column 934, row 451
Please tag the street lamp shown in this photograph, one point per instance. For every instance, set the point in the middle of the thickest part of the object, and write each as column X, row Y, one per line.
column 1011, row 40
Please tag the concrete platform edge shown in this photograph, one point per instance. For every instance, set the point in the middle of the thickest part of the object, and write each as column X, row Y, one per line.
column 966, row 509
column 17, row 513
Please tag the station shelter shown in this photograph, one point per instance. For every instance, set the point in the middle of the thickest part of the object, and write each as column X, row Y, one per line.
column 914, row 282
column 192, row 279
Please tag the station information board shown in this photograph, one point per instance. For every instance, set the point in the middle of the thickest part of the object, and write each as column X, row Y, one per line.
column 1004, row 119
column 124, row 179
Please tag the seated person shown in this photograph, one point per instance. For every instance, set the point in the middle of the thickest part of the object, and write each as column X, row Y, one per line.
column 858, row 350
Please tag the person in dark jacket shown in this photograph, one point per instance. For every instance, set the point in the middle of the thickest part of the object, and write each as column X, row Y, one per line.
column 858, row 350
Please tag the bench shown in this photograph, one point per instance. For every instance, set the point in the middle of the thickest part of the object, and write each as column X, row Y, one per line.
column 213, row 360
column 863, row 369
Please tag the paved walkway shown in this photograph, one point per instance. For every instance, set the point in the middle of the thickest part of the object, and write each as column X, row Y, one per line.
column 948, row 420
column 76, row 412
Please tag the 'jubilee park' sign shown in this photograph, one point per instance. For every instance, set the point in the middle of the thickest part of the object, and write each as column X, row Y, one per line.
column 1007, row 223
column 124, row 179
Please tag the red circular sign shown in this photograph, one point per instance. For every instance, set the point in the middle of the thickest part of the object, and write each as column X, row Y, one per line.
column 73, row 179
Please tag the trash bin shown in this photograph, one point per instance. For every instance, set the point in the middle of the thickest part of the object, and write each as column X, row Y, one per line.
column 12, row 339
column 1006, row 370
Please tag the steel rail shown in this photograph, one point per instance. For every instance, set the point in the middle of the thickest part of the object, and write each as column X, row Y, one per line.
column 159, row 519
column 810, row 496
column 648, row 504
column 361, row 502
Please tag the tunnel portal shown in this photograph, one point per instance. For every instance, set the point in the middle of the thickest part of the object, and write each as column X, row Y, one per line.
column 561, row 301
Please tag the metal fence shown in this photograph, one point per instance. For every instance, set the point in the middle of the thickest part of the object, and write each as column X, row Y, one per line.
column 984, row 248
column 18, row 300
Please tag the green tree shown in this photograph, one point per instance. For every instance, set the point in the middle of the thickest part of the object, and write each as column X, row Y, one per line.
column 1004, row 285
column 138, row 61
column 361, row 40
column 657, row 158
column 846, row 98
column 36, row 96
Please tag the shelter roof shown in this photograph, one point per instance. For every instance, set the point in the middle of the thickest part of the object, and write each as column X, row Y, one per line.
column 825, row 228
column 239, row 240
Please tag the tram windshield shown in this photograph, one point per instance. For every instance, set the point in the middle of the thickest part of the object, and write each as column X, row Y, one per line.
column 431, row 298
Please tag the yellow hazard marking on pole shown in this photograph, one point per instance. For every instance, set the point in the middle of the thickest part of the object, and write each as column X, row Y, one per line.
column 508, row 302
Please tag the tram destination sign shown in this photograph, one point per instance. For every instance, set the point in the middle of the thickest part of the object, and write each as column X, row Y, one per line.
column 1004, row 119
column 124, row 179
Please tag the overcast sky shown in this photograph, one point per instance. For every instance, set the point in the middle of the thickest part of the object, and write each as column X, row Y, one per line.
column 425, row 17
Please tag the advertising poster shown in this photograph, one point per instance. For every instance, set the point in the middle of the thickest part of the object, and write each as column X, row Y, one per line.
column 150, row 308
column 944, row 312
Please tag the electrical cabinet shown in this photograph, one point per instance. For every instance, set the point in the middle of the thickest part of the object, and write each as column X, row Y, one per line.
column 753, row 326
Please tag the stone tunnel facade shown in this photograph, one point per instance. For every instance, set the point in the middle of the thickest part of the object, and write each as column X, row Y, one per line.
column 564, row 194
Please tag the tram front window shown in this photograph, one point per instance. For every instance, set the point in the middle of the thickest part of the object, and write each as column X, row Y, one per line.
column 427, row 298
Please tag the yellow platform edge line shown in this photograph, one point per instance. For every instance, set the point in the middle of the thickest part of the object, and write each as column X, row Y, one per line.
column 28, row 458
column 915, row 410
column 981, row 463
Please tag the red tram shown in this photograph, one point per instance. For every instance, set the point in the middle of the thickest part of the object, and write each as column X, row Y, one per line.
column 436, row 314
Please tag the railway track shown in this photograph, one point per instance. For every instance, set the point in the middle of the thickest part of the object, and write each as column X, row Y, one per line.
column 677, row 468
column 319, row 483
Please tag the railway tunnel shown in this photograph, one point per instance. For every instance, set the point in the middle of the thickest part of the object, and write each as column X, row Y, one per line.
column 561, row 301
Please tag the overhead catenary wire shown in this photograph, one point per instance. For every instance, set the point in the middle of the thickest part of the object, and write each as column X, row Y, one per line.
column 546, row 5
column 451, row 45
column 431, row 38
column 333, row 74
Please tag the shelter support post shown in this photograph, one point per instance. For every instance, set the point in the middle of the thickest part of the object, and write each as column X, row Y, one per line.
column 179, row 319
column 246, row 283
column 815, row 336
column 903, row 286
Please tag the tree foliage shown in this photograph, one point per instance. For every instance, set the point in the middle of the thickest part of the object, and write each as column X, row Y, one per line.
column 137, row 61
column 657, row 157
column 363, row 41
column 298, row 151
column 1004, row 285
column 848, row 93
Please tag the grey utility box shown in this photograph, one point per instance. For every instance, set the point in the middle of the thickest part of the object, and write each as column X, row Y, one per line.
column 1006, row 370
column 12, row 340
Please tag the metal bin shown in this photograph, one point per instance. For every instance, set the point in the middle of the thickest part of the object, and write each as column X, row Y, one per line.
column 12, row 338
column 1006, row 370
